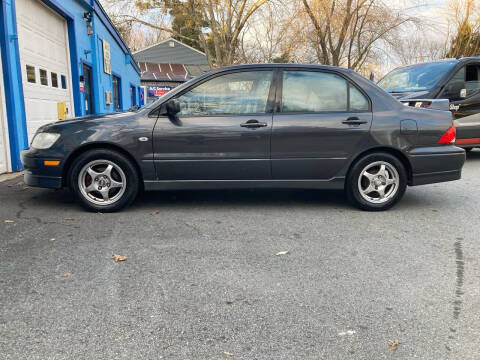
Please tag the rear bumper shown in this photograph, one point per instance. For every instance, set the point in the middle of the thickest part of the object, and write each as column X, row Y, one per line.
column 436, row 164
column 37, row 174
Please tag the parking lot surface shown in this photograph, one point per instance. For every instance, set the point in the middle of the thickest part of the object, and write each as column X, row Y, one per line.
column 203, row 281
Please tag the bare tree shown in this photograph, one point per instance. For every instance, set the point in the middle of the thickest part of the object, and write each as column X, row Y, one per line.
column 344, row 32
column 136, row 35
column 225, row 21
column 464, row 28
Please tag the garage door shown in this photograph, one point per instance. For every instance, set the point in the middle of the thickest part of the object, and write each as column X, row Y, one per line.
column 44, row 54
column 3, row 126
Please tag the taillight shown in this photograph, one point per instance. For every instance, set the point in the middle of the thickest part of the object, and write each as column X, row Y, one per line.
column 449, row 136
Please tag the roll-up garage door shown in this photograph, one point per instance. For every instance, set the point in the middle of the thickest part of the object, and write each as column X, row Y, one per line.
column 44, row 54
column 3, row 125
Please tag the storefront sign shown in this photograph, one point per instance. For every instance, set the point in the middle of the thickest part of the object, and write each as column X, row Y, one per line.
column 156, row 91
column 107, row 68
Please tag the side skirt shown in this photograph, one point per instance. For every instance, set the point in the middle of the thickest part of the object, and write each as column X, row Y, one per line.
column 334, row 183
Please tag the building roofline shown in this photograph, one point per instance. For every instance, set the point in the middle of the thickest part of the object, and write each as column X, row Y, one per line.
column 170, row 39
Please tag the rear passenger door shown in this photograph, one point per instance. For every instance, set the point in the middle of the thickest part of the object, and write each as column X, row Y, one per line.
column 322, row 119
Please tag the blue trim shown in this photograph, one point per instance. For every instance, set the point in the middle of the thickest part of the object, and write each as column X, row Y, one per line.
column 102, row 15
column 55, row 6
column 12, row 78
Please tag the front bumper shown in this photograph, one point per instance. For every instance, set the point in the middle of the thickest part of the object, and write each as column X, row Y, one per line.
column 37, row 174
column 436, row 164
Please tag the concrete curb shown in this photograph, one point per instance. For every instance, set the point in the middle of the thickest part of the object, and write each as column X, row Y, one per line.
column 10, row 176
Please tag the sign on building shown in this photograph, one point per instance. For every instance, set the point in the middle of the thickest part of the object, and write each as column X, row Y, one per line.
column 157, row 91
column 106, row 58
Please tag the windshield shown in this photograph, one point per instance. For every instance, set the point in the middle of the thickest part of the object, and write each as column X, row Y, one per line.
column 415, row 78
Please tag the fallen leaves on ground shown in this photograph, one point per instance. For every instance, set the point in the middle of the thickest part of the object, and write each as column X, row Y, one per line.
column 9, row 221
column 281, row 253
column 69, row 219
column 155, row 212
column 118, row 258
column 393, row 344
column 66, row 275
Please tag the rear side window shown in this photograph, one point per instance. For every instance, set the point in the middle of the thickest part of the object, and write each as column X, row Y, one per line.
column 311, row 92
column 358, row 101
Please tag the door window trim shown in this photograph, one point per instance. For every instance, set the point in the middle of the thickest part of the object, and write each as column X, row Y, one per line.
column 278, row 107
column 270, row 98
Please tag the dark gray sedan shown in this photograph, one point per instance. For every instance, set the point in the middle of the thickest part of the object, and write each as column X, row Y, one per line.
column 269, row 125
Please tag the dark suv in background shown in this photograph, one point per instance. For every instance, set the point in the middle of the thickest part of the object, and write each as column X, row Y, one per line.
column 457, row 80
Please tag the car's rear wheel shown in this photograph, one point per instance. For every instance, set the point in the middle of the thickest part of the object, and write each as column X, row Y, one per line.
column 104, row 180
column 376, row 182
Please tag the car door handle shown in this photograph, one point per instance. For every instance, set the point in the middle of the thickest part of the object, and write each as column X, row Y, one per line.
column 253, row 124
column 354, row 121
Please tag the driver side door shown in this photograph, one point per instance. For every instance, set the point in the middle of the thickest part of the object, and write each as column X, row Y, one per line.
column 222, row 131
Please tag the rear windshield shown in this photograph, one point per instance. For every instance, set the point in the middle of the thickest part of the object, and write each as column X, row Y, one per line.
column 416, row 78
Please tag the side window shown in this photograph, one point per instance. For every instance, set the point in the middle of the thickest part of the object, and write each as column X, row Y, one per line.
column 358, row 101
column 472, row 79
column 243, row 92
column 453, row 89
column 309, row 91
column 31, row 78
column 313, row 91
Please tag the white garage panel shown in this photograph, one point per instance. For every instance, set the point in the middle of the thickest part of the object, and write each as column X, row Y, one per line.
column 43, row 45
column 3, row 126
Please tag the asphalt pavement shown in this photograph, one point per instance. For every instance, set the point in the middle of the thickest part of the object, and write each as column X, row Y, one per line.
column 202, row 279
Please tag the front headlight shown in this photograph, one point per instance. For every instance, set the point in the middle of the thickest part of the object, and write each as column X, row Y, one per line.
column 44, row 140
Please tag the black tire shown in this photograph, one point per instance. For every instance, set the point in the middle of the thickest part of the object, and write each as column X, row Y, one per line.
column 352, row 183
column 130, row 178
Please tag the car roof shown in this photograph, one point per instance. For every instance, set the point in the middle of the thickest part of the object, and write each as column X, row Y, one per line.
column 282, row 65
column 457, row 60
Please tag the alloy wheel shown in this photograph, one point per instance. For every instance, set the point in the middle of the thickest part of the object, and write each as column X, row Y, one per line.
column 102, row 182
column 378, row 182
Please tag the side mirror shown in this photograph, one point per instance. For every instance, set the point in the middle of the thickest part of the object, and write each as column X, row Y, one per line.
column 171, row 107
column 455, row 90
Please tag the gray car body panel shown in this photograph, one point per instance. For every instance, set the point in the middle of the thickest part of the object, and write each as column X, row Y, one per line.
column 300, row 150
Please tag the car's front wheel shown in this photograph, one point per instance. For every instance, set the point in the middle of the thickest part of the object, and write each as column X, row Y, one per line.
column 376, row 182
column 104, row 180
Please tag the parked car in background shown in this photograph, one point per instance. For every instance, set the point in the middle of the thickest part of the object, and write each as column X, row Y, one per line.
column 457, row 80
column 255, row 126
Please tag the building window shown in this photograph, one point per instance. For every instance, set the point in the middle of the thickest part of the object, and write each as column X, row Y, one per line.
column 116, row 92
column 43, row 77
column 54, row 80
column 31, row 74
column 64, row 81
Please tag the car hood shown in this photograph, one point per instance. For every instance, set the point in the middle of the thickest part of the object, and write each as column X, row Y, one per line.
column 85, row 119
column 409, row 95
